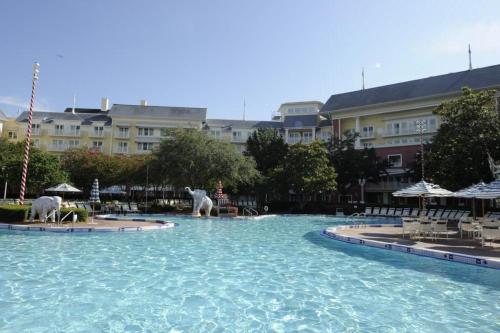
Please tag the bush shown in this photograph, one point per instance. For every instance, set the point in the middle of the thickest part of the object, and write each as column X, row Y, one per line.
column 14, row 213
column 80, row 212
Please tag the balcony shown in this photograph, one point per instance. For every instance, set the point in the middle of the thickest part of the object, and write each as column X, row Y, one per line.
column 94, row 134
column 66, row 133
column 403, row 132
column 122, row 135
column 387, row 186
column 61, row 147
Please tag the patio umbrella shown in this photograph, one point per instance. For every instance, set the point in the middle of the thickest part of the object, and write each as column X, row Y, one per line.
column 115, row 189
column 63, row 188
column 471, row 192
column 490, row 191
column 94, row 196
column 423, row 190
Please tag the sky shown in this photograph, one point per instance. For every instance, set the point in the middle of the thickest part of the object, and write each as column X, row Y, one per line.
column 219, row 53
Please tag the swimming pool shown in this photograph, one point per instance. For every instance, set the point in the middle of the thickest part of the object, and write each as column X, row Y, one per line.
column 276, row 274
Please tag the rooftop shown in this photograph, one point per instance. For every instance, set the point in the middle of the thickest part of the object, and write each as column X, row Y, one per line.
column 243, row 124
column 48, row 117
column 447, row 84
column 139, row 111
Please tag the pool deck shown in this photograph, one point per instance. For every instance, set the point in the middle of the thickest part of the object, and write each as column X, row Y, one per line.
column 99, row 225
column 390, row 237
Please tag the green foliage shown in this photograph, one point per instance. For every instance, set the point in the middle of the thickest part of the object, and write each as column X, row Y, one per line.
column 470, row 129
column 353, row 164
column 268, row 149
column 190, row 158
column 84, row 165
column 306, row 169
column 81, row 213
column 14, row 213
column 44, row 169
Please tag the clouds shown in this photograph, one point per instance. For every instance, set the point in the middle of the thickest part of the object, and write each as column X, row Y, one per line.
column 483, row 37
column 12, row 101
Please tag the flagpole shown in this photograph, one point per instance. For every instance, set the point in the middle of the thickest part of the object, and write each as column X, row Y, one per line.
column 24, row 174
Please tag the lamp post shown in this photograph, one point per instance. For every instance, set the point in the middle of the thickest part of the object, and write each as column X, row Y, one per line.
column 24, row 174
column 421, row 125
column 362, row 182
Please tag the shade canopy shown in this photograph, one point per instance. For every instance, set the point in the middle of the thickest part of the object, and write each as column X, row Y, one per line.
column 115, row 189
column 62, row 188
column 490, row 191
column 423, row 189
column 94, row 193
column 470, row 192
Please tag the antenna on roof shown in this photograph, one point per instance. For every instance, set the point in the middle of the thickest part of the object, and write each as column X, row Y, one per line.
column 74, row 103
column 244, row 108
column 470, row 59
column 363, row 77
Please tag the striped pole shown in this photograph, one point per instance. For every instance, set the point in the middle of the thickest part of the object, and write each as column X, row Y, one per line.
column 36, row 70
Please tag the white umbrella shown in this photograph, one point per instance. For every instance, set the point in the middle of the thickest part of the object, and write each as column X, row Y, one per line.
column 115, row 189
column 423, row 189
column 490, row 191
column 62, row 188
column 471, row 192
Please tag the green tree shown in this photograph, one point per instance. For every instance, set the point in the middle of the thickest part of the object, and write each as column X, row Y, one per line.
column 191, row 158
column 268, row 149
column 470, row 130
column 306, row 169
column 44, row 169
column 352, row 164
column 84, row 165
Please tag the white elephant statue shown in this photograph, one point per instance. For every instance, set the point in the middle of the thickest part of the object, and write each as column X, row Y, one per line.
column 200, row 201
column 45, row 205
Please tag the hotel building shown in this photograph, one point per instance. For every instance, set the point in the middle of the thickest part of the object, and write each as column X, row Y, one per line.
column 385, row 117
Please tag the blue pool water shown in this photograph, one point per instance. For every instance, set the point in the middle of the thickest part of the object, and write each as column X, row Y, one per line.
column 272, row 275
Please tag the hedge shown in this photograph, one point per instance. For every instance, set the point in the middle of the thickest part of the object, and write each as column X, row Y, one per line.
column 14, row 213
column 80, row 212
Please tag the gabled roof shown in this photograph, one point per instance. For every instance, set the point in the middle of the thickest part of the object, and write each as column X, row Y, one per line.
column 243, row 124
column 310, row 120
column 452, row 83
column 140, row 111
column 49, row 117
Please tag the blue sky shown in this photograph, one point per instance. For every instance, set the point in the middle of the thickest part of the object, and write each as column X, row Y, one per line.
column 215, row 54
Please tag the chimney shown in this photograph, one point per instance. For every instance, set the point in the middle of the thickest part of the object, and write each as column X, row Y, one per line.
column 144, row 102
column 104, row 104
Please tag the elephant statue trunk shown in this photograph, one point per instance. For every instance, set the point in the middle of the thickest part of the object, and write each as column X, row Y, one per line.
column 200, row 201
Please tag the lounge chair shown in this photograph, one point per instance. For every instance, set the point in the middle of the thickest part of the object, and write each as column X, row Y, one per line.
column 368, row 211
column 490, row 233
column 439, row 227
column 414, row 212
column 406, row 212
column 446, row 213
column 134, row 208
column 398, row 212
column 125, row 208
column 376, row 211
column 431, row 213
column 383, row 211
column 469, row 227
column 425, row 229
column 390, row 212
column 439, row 213
column 410, row 227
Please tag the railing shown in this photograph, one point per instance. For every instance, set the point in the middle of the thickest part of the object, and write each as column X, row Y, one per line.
column 122, row 135
column 93, row 134
column 248, row 211
column 65, row 133
column 61, row 147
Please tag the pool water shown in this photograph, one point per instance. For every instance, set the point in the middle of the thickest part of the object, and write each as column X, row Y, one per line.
column 276, row 274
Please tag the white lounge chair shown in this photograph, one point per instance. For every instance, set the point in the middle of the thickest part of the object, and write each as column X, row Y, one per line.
column 376, row 211
column 439, row 227
column 490, row 233
column 414, row 212
column 383, row 211
column 410, row 227
column 368, row 211
column 390, row 212
column 425, row 229
column 406, row 212
column 439, row 213
column 398, row 212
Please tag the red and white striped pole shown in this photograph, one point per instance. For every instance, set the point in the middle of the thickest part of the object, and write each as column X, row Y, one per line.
column 36, row 70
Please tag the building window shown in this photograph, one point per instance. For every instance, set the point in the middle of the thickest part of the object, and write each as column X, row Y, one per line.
column 97, row 145
column 395, row 161
column 74, row 129
column 12, row 135
column 215, row 134
column 59, row 129
column 36, row 143
column 123, row 147
column 367, row 132
column 144, row 146
column 98, row 130
column 146, row 131
column 35, row 129
column 123, row 132
column 73, row 144
column 58, row 144
column 307, row 137
column 237, row 136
